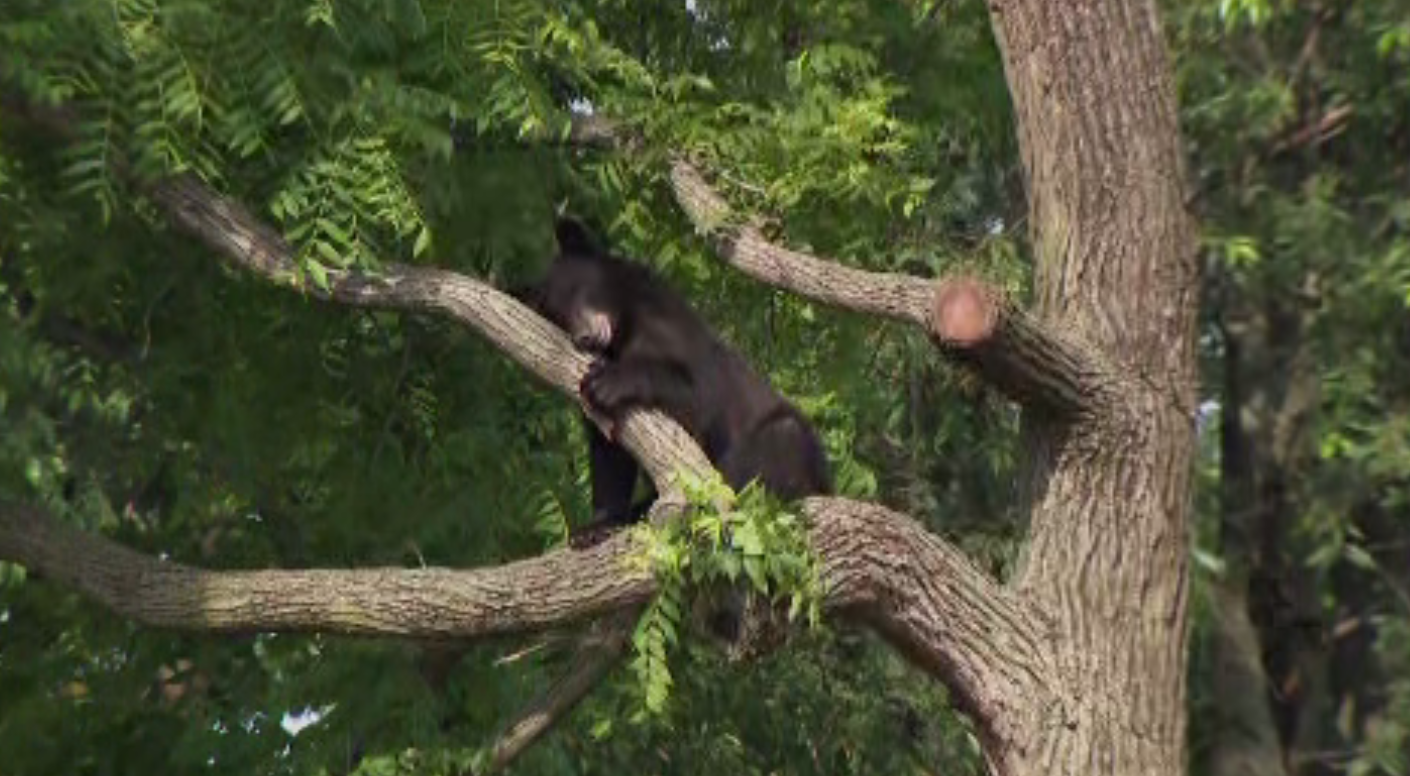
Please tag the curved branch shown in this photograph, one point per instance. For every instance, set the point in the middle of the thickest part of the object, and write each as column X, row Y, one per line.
column 900, row 297
column 222, row 223
column 983, row 640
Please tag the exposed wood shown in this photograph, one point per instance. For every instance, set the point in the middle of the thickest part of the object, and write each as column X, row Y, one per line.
column 972, row 322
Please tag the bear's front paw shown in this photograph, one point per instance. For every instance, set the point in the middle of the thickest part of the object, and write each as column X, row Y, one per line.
column 607, row 389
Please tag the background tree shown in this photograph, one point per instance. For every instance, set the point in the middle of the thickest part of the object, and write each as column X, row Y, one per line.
column 1297, row 114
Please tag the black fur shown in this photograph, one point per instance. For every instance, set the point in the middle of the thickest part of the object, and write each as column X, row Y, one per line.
column 654, row 351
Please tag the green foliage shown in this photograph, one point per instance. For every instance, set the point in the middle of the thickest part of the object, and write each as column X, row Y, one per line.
column 1385, row 750
column 190, row 412
column 757, row 541
column 335, row 205
column 1298, row 118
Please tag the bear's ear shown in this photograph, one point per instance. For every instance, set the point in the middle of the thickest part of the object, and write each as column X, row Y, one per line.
column 574, row 238
column 528, row 294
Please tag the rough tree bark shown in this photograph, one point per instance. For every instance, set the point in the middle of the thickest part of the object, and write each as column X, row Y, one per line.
column 1075, row 667
column 1109, row 491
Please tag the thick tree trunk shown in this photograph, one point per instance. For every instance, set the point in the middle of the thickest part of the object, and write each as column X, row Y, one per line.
column 1109, row 490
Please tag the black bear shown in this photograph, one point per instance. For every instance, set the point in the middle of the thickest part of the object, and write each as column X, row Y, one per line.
column 653, row 351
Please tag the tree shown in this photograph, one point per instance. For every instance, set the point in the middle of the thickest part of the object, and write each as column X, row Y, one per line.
column 1075, row 665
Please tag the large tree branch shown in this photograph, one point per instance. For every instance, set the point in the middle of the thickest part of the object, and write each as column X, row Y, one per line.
column 971, row 321
column 522, row 596
column 878, row 566
column 987, row 644
column 662, row 446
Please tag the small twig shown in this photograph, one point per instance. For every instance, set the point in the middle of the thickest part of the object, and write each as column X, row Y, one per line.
column 597, row 653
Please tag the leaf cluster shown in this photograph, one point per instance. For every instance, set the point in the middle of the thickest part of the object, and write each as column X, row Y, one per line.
column 757, row 540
